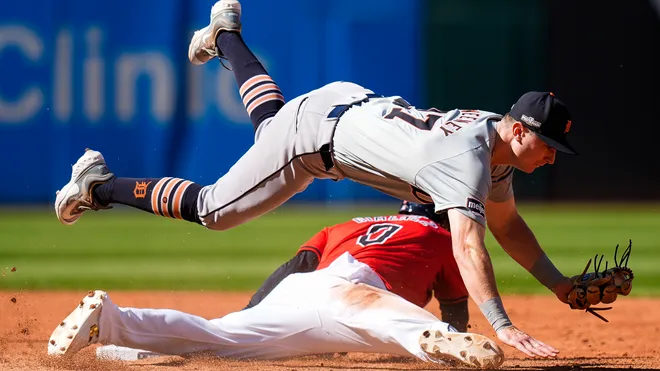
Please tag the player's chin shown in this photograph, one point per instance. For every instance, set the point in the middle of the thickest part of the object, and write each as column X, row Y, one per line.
column 528, row 168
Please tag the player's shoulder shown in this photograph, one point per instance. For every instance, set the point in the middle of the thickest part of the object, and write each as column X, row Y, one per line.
column 479, row 139
column 469, row 168
column 489, row 115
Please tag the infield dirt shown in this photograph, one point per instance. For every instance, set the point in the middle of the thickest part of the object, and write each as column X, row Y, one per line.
column 628, row 341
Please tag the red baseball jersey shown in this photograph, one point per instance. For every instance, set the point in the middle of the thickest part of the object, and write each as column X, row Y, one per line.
column 411, row 254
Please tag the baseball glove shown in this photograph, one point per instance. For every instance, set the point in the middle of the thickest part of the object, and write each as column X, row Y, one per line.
column 604, row 286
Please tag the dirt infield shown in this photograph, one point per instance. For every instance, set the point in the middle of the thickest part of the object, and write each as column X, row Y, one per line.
column 629, row 341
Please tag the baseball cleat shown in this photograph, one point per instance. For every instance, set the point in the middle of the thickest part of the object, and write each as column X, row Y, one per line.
column 461, row 348
column 225, row 16
column 76, row 196
column 80, row 328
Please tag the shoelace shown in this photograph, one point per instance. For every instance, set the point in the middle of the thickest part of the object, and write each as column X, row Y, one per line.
column 86, row 205
column 223, row 63
column 210, row 52
column 213, row 52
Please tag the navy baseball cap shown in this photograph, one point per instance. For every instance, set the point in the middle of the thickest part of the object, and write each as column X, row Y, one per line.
column 547, row 116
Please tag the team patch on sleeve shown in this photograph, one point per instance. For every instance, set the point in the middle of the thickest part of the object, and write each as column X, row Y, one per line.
column 476, row 206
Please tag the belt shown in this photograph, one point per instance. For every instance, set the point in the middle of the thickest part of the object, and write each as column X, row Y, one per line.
column 326, row 157
column 336, row 113
column 339, row 110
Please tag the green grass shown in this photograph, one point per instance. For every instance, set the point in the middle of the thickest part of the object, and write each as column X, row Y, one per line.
column 572, row 234
column 122, row 249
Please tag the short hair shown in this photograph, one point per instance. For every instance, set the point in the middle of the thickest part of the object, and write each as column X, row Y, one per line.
column 508, row 119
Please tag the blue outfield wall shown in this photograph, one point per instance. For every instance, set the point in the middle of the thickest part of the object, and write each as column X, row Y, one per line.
column 114, row 76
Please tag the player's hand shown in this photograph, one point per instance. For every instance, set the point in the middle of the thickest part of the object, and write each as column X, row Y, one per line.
column 516, row 338
column 562, row 290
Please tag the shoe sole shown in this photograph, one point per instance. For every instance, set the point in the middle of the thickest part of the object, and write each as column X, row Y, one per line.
column 205, row 32
column 65, row 212
column 227, row 4
column 80, row 328
column 461, row 348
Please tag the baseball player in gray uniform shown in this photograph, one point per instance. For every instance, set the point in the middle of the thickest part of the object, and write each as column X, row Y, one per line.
column 460, row 160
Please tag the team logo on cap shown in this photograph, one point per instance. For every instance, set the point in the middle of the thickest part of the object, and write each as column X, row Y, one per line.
column 568, row 126
column 531, row 121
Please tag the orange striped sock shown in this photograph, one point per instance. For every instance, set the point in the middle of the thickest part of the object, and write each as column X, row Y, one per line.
column 169, row 197
column 261, row 96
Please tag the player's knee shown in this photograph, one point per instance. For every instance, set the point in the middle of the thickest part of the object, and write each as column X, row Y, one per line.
column 216, row 226
column 216, row 222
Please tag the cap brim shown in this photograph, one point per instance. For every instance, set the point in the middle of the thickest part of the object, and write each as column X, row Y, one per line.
column 561, row 147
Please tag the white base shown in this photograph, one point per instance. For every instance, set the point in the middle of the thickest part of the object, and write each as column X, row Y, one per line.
column 115, row 353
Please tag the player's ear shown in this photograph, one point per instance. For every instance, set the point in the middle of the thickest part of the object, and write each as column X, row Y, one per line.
column 517, row 130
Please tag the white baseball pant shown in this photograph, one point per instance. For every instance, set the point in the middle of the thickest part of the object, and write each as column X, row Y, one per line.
column 342, row 308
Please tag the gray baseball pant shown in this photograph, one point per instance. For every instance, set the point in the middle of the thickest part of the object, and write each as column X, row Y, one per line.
column 285, row 158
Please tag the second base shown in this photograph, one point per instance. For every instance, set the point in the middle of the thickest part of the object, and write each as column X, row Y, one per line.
column 115, row 353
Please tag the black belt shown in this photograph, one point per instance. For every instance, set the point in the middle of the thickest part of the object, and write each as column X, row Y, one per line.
column 326, row 157
column 336, row 113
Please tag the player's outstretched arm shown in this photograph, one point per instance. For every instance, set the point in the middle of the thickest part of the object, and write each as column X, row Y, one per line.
column 477, row 272
column 518, row 240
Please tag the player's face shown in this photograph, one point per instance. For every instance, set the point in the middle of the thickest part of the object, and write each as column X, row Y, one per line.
column 532, row 152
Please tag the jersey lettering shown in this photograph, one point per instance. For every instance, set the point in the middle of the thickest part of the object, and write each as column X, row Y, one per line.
column 449, row 128
column 431, row 116
column 378, row 233
column 426, row 222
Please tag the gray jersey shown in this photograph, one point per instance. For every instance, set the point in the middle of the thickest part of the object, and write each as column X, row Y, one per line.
column 421, row 156
column 426, row 156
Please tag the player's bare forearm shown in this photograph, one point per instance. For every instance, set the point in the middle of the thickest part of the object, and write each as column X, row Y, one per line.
column 512, row 233
column 517, row 239
column 472, row 257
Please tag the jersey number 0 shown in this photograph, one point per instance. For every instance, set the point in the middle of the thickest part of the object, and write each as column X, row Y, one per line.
column 378, row 233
